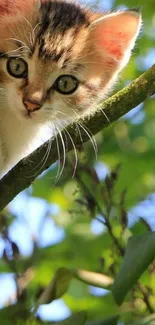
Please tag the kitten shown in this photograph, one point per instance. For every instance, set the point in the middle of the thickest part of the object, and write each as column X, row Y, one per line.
column 57, row 61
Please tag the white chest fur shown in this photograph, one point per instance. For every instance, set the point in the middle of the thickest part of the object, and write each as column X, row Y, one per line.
column 18, row 138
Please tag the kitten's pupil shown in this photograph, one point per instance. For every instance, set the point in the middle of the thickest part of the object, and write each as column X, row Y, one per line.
column 17, row 67
column 66, row 84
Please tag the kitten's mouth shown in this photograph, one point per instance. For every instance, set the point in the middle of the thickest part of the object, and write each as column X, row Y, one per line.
column 27, row 114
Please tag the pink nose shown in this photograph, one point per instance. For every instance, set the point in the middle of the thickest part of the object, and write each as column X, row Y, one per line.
column 31, row 105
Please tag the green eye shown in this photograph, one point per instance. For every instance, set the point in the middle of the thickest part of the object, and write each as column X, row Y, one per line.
column 66, row 84
column 17, row 67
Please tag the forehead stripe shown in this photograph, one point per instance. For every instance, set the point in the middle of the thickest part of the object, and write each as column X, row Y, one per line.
column 56, row 18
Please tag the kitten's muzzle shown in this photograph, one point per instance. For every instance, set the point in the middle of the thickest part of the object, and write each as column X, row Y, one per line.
column 32, row 105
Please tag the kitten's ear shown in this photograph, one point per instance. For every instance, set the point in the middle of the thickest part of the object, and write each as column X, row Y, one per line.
column 114, row 35
column 13, row 7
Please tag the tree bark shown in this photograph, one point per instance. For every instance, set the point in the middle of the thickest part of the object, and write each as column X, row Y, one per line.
column 25, row 172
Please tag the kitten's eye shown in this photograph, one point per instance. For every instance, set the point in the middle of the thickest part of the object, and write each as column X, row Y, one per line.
column 17, row 67
column 66, row 84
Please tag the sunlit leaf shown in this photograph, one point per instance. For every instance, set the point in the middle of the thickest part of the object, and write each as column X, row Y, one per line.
column 57, row 287
column 139, row 254
column 93, row 278
column 150, row 320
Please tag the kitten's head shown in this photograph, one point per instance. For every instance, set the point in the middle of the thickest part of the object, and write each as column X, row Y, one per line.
column 58, row 59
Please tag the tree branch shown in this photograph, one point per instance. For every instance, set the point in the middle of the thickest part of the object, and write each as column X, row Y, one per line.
column 22, row 175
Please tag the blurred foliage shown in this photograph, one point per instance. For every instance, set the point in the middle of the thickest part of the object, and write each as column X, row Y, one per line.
column 124, row 249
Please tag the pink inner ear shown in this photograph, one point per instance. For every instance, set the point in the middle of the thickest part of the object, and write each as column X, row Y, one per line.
column 116, row 33
column 11, row 7
column 4, row 7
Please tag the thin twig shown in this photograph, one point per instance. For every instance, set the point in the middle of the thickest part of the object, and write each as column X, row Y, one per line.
column 120, row 249
column 145, row 295
column 105, row 221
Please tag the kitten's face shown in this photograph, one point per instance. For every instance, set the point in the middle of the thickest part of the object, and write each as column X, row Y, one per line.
column 59, row 61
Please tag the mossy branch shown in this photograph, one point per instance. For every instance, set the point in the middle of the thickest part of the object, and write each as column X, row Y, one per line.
column 25, row 172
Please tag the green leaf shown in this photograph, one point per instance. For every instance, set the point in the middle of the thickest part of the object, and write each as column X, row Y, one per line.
column 150, row 320
column 16, row 314
column 93, row 278
column 57, row 287
column 77, row 319
column 108, row 321
column 139, row 254
column 97, row 307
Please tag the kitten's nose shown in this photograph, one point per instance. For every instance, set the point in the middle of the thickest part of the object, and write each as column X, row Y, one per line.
column 32, row 105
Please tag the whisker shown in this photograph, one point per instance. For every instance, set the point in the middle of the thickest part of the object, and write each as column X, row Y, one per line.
column 59, row 159
column 27, row 21
column 43, row 161
column 47, row 153
column 16, row 39
column 80, row 135
column 16, row 50
column 92, row 138
column 102, row 110
column 89, row 134
column 61, row 113
column 75, row 151
column 64, row 152
column 34, row 30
